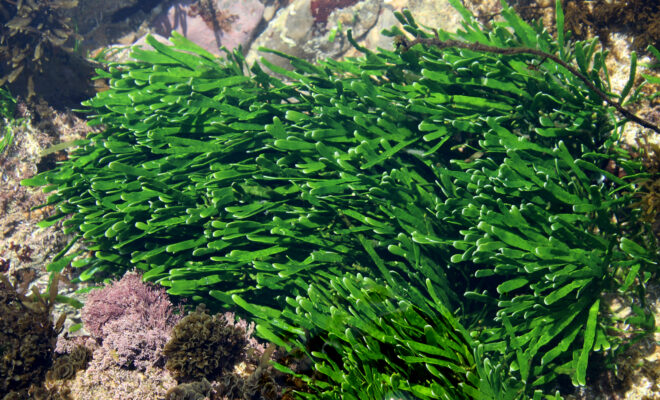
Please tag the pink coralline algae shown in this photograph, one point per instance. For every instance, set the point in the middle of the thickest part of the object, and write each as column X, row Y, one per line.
column 130, row 345
column 132, row 319
column 212, row 23
column 129, row 297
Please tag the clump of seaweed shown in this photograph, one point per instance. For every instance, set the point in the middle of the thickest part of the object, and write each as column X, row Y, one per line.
column 65, row 366
column 37, row 57
column 438, row 216
column 259, row 384
column 204, row 346
column 600, row 17
column 129, row 295
column 649, row 195
column 133, row 319
column 589, row 18
column 27, row 337
column 31, row 33
column 198, row 390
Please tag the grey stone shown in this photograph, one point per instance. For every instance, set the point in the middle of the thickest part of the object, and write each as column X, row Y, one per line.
column 293, row 31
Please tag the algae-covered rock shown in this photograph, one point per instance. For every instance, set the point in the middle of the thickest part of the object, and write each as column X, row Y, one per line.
column 37, row 52
column 27, row 338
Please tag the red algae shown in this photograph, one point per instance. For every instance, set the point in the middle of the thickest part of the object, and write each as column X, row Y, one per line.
column 321, row 9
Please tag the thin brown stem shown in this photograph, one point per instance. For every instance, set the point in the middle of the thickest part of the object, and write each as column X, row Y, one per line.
column 442, row 44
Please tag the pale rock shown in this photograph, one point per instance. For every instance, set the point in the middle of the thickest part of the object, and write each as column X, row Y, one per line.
column 375, row 39
column 435, row 13
column 293, row 31
column 121, row 53
column 284, row 33
column 269, row 12
column 298, row 21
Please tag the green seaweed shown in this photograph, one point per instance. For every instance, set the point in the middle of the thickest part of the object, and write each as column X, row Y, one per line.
column 434, row 222
column 7, row 108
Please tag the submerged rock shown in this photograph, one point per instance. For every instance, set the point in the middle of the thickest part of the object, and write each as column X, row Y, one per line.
column 212, row 23
column 314, row 29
